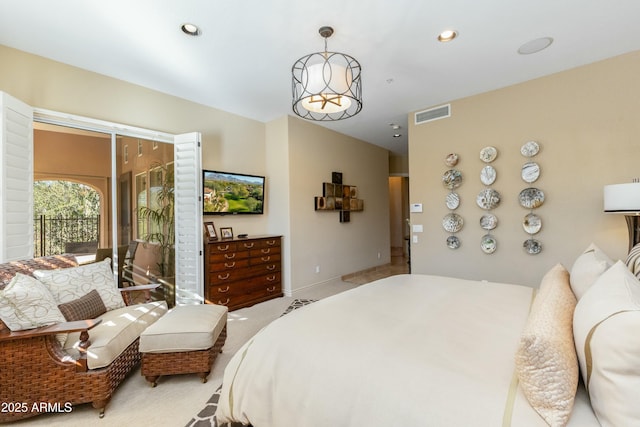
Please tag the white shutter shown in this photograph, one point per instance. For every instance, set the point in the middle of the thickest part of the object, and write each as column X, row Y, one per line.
column 188, row 218
column 16, row 179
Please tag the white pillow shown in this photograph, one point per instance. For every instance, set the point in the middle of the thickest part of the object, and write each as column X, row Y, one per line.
column 546, row 361
column 587, row 268
column 68, row 284
column 25, row 303
column 606, row 324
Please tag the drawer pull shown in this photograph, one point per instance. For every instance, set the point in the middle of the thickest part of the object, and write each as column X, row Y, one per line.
column 224, row 302
column 270, row 242
column 271, row 278
column 230, row 256
column 265, row 258
column 249, row 245
column 223, row 248
column 230, row 264
column 271, row 289
column 271, row 267
column 225, row 277
column 265, row 251
column 223, row 291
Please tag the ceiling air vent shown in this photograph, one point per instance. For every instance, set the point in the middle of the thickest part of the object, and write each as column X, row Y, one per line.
column 432, row 114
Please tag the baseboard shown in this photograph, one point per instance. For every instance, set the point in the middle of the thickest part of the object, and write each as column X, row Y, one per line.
column 291, row 293
column 366, row 271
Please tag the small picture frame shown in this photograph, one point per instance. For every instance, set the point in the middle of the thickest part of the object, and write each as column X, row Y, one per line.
column 226, row 232
column 210, row 231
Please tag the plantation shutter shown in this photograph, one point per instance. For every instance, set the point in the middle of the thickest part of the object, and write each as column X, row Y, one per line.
column 188, row 219
column 16, row 179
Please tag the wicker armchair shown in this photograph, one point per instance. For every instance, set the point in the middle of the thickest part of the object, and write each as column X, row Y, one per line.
column 37, row 376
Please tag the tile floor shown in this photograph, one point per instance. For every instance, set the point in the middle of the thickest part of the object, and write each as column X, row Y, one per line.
column 398, row 265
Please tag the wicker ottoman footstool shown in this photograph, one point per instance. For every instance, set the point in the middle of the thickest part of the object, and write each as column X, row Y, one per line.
column 186, row 340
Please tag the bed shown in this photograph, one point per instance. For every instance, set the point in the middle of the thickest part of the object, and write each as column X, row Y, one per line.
column 414, row 350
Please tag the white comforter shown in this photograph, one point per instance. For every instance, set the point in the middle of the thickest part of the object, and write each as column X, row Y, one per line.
column 409, row 350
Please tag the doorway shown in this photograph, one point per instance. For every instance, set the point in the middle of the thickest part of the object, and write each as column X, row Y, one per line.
column 398, row 218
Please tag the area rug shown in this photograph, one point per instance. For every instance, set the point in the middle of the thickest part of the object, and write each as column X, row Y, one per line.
column 206, row 417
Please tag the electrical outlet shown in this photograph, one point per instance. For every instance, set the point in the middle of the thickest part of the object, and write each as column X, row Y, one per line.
column 379, row 255
column 317, row 269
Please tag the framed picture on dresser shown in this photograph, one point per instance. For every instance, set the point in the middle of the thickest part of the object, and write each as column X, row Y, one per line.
column 210, row 231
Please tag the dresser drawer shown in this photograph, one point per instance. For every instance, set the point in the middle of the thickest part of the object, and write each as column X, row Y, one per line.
column 262, row 259
column 228, row 264
column 223, row 247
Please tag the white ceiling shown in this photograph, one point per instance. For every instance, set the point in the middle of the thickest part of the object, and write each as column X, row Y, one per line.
column 242, row 61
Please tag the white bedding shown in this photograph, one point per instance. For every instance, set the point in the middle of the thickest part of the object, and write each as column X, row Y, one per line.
column 408, row 350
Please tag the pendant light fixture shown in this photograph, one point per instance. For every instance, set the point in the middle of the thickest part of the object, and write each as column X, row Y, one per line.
column 326, row 85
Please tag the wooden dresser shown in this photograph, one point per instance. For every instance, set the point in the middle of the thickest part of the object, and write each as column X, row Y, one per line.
column 240, row 272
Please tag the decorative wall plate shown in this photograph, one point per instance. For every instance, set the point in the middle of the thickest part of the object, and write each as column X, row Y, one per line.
column 530, row 148
column 453, row 242
column 452, row 179
column 532, row 223
column 452, row 222
column 488, row 244
column 530, row 172
column 488, row 154
column 488, row 199
column 531, row 198
column 488, row 175
column 488, row 221
column 532, row 246
column 453, row 201
column 451, row 160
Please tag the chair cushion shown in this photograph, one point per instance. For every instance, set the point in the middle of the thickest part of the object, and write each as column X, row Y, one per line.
column 69, row 284
column 118, row 329
column 26, row 303
column 185, row 328
column 89, row 306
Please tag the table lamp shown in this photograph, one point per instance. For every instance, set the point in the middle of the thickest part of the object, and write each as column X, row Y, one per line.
column 625, row 199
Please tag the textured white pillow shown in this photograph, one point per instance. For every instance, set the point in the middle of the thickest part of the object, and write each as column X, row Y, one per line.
column 546, row 361
column 68, row 284
column 606, row 324
column 587, row 268
column 25, row 303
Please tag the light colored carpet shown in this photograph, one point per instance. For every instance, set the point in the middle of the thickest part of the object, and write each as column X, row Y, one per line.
column 177, row 399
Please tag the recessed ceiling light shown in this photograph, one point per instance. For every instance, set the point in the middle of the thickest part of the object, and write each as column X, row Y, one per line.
column 397, row 135
column 447, row 36
column 190, row 29
column 536, row 45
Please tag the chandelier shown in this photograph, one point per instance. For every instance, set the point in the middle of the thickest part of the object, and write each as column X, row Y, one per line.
column 326, row 85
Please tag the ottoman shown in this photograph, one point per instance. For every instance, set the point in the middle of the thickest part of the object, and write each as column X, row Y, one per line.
column 186, row 340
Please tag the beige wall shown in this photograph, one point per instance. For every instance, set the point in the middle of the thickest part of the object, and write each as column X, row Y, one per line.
column 318, row 238
column 586, row 121
column 295, row 156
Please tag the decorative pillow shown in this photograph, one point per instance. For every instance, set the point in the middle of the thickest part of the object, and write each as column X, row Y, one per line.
column 89, row 306
column 587, row 268
column 546, row 361
column 633, row 260
column 25, row 303
column 605, row 325
column 68, row 284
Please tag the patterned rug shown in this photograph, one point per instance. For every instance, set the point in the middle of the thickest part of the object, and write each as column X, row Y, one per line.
column 206, row 417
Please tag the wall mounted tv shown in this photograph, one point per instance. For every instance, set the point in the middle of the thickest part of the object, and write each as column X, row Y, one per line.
column 225, row 193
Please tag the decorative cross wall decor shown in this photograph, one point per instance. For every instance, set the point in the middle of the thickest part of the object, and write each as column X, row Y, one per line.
column 340, row 197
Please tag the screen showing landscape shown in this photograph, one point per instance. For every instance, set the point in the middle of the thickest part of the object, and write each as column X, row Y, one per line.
column 232, row 193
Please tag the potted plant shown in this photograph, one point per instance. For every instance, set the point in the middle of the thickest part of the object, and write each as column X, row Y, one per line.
column 161, row 231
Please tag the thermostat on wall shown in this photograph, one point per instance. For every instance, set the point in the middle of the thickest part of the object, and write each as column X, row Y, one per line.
column 416, row 207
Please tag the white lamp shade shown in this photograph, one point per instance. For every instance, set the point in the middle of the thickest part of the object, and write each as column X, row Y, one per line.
column 330, row 82
column 622, row 198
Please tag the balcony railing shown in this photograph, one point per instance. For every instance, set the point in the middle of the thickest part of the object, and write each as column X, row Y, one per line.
column 52, row 235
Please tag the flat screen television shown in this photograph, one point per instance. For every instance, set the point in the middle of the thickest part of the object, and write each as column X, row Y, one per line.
column 225, row 193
